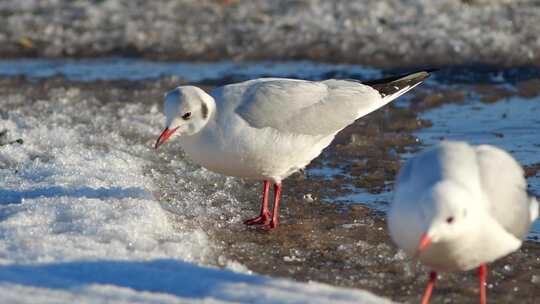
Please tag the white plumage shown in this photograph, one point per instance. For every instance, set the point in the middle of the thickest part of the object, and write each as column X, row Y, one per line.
column 457, row 206
column 268, row 128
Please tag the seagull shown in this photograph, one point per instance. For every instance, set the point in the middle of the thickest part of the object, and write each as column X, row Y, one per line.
column 268, row 128
column 457, row 207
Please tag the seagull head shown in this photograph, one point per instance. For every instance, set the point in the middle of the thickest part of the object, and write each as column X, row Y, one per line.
column 187, row 110
column 446, row 214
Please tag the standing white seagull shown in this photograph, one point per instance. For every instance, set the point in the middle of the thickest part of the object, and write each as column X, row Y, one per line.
column 457, row 207
column 268, row 128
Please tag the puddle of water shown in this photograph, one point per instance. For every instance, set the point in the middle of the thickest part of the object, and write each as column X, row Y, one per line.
column 377, row 201
column 512, row 124
column 325, row 172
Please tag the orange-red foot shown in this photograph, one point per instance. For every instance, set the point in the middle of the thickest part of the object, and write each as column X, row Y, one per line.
column 263, row 219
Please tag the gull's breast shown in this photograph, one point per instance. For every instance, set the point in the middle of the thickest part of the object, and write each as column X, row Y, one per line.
column 253, row 153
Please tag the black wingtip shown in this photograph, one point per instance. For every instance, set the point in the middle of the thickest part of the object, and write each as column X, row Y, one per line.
column 394, row 78
column 390, row 85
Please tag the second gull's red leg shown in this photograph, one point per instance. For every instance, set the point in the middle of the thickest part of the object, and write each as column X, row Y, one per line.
column 482, row 274
column 429, row 287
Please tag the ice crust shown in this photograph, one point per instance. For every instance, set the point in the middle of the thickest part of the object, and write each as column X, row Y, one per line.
column 80, row 220
column 66, row 195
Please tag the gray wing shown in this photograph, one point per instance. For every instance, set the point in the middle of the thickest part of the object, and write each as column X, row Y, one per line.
column 504, row 183
column 305, row 107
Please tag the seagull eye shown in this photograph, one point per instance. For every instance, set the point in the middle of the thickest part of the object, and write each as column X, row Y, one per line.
column 450, row 219
column 187, row 116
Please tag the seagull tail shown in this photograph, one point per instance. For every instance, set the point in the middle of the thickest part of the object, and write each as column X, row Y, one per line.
column 534, row 209
column 393, row 87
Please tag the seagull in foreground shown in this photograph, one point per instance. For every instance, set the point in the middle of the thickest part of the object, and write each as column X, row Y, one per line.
column 457, row 207
column 268, row 128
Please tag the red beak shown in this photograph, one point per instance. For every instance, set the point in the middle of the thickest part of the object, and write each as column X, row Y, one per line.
column 425, row 241
column 164, row 136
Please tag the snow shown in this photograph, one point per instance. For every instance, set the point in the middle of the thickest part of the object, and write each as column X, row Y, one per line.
column 80, row 221
column 158, row 281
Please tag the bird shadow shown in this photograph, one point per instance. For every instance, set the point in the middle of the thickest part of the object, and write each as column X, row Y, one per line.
column 8, row 196
column 162, row 276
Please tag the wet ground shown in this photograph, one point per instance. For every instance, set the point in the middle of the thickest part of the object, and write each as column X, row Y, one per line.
column 332, row 224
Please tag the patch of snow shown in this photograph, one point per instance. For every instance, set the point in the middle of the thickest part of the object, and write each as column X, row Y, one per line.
column 159, row 281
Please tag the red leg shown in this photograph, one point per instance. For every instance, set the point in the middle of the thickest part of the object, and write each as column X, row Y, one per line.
column 264, row 218
column 429, row 287
column 482, row 274
column 275, row 212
